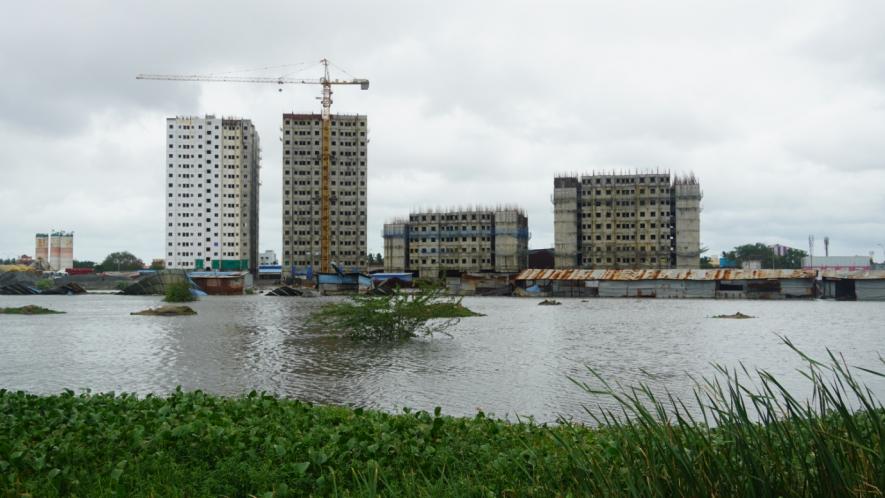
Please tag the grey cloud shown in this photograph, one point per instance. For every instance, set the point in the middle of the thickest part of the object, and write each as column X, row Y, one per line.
column 777, row 107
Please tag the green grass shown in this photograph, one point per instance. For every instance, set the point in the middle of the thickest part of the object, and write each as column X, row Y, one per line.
column 29, row 309
column 744, row 440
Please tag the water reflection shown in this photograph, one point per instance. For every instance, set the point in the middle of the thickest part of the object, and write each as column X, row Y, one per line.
column 513, row 361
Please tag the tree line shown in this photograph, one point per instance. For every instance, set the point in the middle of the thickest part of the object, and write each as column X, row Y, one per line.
column 791, row 259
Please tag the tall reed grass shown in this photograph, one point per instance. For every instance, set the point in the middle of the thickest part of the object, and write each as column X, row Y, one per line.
column 737, row 437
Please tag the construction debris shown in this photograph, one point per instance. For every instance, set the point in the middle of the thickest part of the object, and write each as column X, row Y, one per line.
column 289, row 291
column 549, row 302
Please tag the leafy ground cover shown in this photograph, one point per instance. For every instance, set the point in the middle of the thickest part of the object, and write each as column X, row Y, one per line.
column 29, row 309
column 748, row 440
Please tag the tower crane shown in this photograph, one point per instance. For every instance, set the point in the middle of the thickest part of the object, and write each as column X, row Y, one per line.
column 325, row 156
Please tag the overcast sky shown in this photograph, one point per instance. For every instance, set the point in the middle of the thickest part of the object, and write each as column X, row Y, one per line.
column 777, row 107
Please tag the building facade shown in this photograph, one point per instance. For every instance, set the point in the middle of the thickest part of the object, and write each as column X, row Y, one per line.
column 302, row 174
column 41, row 247
column 212, row 180
column 641, row 220
column 447, row 243
column 837, row 263
column 61, row 251
column 268, row 257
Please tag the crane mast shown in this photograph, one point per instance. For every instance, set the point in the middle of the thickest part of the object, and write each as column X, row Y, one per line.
column 325, row 180
column 326, row 143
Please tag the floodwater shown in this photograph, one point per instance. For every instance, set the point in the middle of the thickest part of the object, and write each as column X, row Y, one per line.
column 514, row 362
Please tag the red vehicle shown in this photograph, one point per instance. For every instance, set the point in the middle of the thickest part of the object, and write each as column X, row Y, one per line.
column 79, row 271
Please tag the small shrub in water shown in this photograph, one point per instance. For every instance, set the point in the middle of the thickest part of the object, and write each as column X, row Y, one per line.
column 179, row 292
column 394, row 317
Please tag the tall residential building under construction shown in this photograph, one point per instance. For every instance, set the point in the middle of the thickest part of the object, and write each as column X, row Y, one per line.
column 447, row 243
column 302, row 190
column 212, row 179
column 640, row 220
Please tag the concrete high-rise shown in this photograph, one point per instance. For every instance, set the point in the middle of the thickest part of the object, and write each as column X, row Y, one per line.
column 302, row 174
column 212, row 180
column 641, row 220
column 61, row 250
column 447, row 243
column 41, row 250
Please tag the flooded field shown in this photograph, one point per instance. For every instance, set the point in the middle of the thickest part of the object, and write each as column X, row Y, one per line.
column 514, row 361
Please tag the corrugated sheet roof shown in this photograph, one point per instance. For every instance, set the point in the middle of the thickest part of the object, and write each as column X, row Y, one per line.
column 853, row 275
column 706, row 274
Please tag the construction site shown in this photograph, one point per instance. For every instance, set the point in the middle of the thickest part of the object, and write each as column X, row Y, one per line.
column 448, row 243
column 626, row 220
column 324, row 218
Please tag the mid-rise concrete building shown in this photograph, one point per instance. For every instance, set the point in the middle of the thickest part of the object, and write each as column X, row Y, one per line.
column 41, row 248
column 448, row 243
column 55, row 250
column 268, row 257
column 212, row 180
column 61, row 250
column 641, row 220
column 302, row 174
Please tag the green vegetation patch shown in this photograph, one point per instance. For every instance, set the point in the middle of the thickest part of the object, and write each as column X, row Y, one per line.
column 29, row 309
column 397, row 316
column 166, row 310
column 179, row 292
column 44, row 284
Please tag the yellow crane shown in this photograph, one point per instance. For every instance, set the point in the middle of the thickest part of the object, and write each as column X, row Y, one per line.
column 326, row 159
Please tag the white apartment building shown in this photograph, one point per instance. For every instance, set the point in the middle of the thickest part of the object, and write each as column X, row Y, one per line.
column 212, row 178
column 268, row 257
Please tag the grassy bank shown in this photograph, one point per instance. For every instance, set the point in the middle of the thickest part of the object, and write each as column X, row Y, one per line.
column 192, row 444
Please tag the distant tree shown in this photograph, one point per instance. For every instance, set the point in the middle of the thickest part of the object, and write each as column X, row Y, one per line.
column 158, row 264
column 120, row 261
column 379, row 259
column 793, row 258
column 705, row 262
column 7, row 261
column 84, row 264
column 761, row 252
column 370, row 259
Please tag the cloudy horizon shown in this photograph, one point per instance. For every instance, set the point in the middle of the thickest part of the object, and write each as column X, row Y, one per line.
column 777, row 108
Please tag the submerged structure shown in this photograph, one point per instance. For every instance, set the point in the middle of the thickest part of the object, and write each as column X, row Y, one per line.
column 713, row 284
column 155, row 282
column 862, row 285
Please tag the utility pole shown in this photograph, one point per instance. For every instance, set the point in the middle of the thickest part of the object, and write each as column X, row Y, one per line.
column 811, row 250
